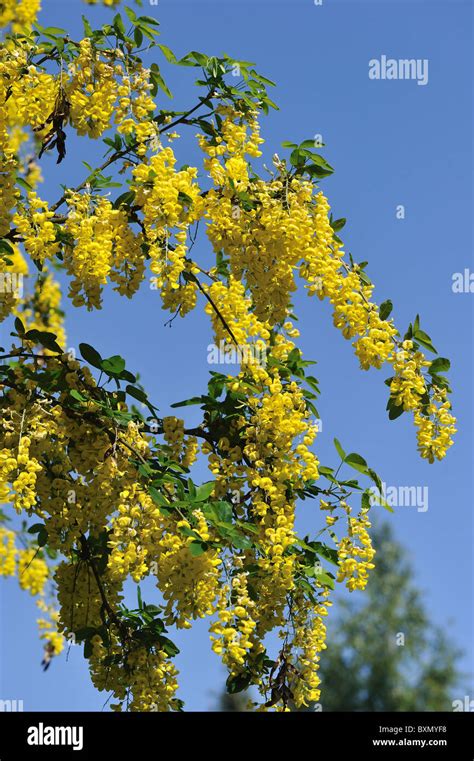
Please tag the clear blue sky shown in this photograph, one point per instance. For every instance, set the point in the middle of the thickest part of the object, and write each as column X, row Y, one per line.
column 391, row 143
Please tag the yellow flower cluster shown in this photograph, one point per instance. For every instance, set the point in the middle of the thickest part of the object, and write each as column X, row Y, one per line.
column 8, row 552
column 136, row 529
column 92, row 92
column 231, row 147
column 275, row 437
column 170, row 202
column 19, row 13
column 236, row 623
column 435, row 430
column 13, row 269
column 141, row 540
column 32, row 571
column 103, row 246
column 20, row 469
column 41, row 310
column 184, row 449
column 135, row 107
column 33, row 98
column 408, row 385
column 9, row 71
column 173, row 432
column 328, row 277
column 355, row 552
column 189, row 584
column 435, row 424
column 38, row 233
column 149, row 679
column 79, row 598
column 96, row 91
column 109, row 90
column 232, row 318
column 309, row 639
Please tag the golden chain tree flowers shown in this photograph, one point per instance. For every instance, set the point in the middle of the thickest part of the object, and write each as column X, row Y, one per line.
column 97, row 492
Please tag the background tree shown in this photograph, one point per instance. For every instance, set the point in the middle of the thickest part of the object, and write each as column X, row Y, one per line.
column 232, row 702
column 364, row 669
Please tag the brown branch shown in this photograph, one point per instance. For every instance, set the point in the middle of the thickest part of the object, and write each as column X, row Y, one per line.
column 217, row 311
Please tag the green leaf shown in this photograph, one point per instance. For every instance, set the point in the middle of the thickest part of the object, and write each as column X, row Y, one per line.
column 328, row 553
column 131, row 14
column 119, row 26
column 238, row 683
column 395, row 410
column 220, row 512
column 42, row 536
column 153, row 609
column 19, row 327
column 383, row 502
column 325, row 578
column 324, row 471
column 240, row 541
column 158, row 497
column 297, row 158
column 138, row 36
column 375, row 478
column 6, row 247
column 158, row 81
column 191, row 489
column 113, row 365
column 125, row 375
column 187, row 402
column 204, row 491
column 320, row 163
column 338, row 224
column 36, row 528
column 90, row 355
column 53, row 30
column 87, row 27
column 149, row 20
column 340, row 450
column 169, row 647
column 125, row 199
column 88, row 648
column 424, row 340
column 197, row 548
column 357, row 462
column 46, row 339
column 168, row 54
column 77, row 395
column 385, row 309
column 439, row 365
column 137, row 393
column 85, row 632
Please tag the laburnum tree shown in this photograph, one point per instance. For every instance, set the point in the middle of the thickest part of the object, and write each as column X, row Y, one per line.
column 99, row 486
